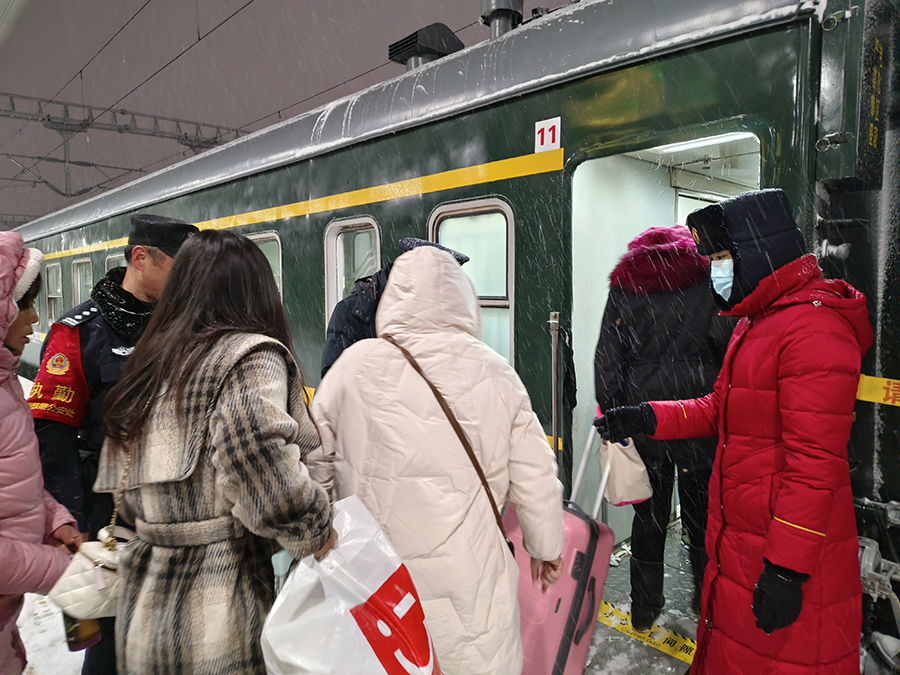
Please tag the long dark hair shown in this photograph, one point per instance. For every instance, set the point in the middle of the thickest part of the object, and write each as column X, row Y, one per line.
column 220, row 283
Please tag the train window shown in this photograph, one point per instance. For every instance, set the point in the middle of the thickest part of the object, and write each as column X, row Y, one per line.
column 82, row 281
column 483, row 230
column 115, row 260
column 352, row 251
column 54, row 293
column 270, row 245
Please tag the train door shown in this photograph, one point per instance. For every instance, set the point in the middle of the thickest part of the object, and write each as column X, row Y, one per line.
column 614, row 199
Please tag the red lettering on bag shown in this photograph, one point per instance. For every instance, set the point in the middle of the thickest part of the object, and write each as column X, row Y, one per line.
column 393, row 622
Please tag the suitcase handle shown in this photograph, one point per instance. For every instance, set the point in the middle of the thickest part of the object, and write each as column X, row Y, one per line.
column 591, row 613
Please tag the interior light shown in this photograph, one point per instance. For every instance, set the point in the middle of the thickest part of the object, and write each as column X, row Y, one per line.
column 705, row 142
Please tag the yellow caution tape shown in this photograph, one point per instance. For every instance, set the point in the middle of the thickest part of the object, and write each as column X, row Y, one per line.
column 878, row 390
column 665, row 640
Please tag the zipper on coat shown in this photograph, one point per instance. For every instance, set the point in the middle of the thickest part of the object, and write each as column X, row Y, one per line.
column 724, row 432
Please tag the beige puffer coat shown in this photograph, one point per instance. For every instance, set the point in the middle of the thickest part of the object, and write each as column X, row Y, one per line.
column 386, row 439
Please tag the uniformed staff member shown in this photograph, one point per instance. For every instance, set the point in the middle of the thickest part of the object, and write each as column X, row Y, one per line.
column 82, row 358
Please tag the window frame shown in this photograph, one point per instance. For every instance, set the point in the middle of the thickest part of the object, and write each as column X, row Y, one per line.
column 47, row 295
column 114, row 256
column 272, row 235
column 334, row 262
column 77, row 299
column 476, row 207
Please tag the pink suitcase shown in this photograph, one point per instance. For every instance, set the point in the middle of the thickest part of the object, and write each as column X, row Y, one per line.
column 557, row 626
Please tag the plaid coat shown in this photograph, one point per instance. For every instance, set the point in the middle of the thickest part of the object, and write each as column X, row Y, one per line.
column 213, row 494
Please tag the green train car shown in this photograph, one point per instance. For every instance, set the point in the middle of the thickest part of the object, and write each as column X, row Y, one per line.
column 540, row 153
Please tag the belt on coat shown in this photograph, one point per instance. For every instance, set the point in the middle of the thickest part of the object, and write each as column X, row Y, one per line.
column 187, row 534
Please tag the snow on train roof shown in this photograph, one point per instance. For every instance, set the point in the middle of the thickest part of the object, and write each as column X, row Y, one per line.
column 598, row 35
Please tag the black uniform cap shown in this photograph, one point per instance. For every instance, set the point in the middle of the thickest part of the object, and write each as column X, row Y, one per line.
column 409, row 243
column 166, row 234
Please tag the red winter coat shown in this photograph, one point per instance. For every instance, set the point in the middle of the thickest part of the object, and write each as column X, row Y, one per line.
column 780, row 487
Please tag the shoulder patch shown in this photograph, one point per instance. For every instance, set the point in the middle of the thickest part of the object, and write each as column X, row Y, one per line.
column 76, row 317
column 57, row 364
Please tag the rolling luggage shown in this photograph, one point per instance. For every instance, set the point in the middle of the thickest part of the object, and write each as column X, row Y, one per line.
column 557, row 626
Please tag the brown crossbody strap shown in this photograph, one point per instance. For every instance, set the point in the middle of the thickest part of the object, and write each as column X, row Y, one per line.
column 459, row 432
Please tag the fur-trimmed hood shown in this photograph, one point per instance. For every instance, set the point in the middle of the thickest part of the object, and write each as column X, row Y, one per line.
column 660, row 259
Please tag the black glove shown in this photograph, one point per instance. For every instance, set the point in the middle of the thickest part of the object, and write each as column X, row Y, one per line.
column 620, row 423
column 778, row 597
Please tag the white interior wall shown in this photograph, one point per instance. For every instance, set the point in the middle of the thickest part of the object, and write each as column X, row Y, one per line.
column 613, row 200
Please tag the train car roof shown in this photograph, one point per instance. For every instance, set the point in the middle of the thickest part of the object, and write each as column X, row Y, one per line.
column 600, row 35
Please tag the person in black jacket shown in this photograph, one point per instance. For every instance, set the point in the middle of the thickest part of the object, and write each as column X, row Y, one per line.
column 661, row 338
column 353, row 318
column 81, row 360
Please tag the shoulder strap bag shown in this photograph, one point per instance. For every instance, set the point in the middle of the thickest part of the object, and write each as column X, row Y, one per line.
column 90, row 587
column 462, row 437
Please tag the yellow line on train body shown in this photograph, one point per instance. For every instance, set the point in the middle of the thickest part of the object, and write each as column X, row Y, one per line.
column 101, row 246
column 504, row 169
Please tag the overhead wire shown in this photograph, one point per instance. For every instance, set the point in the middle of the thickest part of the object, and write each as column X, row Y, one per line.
column 281, row 112
column 199, row 38
column 162, row 68
column 81, row 70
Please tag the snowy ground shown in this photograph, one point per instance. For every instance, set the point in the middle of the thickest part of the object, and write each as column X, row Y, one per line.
column 612, row 653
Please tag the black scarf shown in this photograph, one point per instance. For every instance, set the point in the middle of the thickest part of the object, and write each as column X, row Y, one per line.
column 124, row 313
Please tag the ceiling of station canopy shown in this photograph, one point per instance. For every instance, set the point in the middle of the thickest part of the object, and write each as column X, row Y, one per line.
column 229, row 66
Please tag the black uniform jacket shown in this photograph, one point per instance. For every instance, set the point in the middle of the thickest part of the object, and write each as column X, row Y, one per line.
column 82, row 358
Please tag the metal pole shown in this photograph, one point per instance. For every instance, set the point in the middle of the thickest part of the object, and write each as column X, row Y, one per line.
column 554, row 383
column 66, row 138
column 579, row 476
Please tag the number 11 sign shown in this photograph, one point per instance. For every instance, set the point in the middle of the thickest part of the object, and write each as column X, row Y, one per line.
column 546, row 135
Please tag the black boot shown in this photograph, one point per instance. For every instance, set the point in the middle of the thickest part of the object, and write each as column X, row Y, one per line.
column 699, row 559
column 646, row 593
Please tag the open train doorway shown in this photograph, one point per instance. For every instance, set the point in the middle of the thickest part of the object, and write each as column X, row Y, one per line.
column 614, row 199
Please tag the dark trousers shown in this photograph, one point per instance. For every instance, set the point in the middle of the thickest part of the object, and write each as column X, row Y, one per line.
column 651, row 521
column 101, row 658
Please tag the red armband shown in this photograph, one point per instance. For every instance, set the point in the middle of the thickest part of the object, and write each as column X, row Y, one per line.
column 60, row 392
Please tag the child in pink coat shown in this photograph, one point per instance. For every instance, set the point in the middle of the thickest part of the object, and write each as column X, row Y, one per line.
column 36, row 532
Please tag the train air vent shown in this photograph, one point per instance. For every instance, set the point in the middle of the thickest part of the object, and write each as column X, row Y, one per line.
column 501, row 15
column 426, row 44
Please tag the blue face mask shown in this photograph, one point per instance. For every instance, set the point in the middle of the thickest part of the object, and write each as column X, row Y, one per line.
column 722, row 274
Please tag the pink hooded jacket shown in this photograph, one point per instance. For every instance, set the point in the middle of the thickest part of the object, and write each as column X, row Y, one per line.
column 28, row 514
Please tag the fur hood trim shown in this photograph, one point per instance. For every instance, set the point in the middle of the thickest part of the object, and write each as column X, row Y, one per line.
column 660, row 259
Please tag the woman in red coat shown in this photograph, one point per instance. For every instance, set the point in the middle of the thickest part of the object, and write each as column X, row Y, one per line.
column 782, row 593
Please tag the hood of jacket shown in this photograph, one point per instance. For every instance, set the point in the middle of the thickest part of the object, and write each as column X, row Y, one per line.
column 801, row 282
column 427, row 292
column 660, row 259
column 11, row 251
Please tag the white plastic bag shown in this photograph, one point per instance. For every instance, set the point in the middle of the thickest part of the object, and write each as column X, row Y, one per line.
column 628, row 479
column 355, row 611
